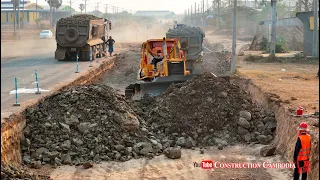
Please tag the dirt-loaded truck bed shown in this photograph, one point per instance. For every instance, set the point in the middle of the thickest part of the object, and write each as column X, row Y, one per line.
column 191, row 39
column 81, row 34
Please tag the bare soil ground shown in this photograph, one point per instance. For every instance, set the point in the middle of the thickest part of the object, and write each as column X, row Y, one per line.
column 163, row 168
column 124, row 71
column 297, row 85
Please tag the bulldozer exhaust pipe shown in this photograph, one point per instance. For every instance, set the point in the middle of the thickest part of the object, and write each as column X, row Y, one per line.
column 164, row 47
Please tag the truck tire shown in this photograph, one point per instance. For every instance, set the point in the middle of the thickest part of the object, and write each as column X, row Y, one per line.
column 71, row 35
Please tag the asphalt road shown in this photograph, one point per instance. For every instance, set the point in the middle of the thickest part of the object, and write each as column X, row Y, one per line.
column 50, row 73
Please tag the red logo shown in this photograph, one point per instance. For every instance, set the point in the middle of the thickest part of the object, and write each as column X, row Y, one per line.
column 206, row 164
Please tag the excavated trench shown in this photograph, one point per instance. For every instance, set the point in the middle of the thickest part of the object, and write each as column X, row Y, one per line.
column 123, row 72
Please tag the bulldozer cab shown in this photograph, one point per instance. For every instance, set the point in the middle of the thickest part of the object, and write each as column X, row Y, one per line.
column 170, row 69
column 171, row 64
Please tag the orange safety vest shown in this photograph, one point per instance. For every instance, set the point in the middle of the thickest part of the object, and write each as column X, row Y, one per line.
column 304, row 153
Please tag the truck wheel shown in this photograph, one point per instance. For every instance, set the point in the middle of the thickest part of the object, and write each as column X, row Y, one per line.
column 71, row 35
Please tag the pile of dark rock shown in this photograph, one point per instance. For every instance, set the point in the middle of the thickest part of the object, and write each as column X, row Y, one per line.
column 92, row 123
column 207, row 111
column 82, row 19
column 84, row 124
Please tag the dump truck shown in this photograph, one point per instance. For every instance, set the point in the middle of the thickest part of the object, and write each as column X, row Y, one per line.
column 82, row 36
column 153, row 78
column 191, row 39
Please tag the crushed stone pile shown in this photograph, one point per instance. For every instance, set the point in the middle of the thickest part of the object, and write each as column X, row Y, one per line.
column 87, row 123
column 207, row 111
column 78, row 19
column 13, row 173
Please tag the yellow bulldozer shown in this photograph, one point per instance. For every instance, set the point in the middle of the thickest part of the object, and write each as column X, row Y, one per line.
column 162, row 63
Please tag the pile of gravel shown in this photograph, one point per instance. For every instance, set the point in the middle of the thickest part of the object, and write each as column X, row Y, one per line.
column 84, row 124
column 207, row 111
column 184, row 31
column 82, row 19
column 14, row 173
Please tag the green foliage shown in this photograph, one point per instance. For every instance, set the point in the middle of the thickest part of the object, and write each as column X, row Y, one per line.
column 54, row 3
column 264, row 44
column 280, row 45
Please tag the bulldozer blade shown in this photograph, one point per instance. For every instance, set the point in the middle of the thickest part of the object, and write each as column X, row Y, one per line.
column 154, row 88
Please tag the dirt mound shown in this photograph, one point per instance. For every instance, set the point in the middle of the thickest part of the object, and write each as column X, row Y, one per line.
column 85, row 123
column 185, row 30
column 78, row 19
column 208, row 111
column 218, row 63
column 13, row 173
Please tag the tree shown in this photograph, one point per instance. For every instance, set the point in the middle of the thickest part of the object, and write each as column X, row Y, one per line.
column 15, row 5
column 53, row 4
column 81, row 7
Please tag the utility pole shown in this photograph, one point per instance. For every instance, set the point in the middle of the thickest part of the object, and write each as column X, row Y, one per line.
column 22, row 13
column 36, row 9
column 315, row 29
column 97, row 9
column 85, row 6
column 106, row 8
column 70, row 8
column 191, row 17
column 19, row 19
column 188, row 16
column 195, row 13
column 273, row 27
column 14, row 16
column 199, row 15
column 234, row 38
column 203, row 13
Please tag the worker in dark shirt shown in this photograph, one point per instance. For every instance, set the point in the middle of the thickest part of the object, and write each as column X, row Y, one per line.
column 110, row 43
column 157, row 59
column 302, row 153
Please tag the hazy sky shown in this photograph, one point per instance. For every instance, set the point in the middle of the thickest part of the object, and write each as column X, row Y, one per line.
column 177, row 6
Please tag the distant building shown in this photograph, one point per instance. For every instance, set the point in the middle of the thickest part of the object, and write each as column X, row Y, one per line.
column 159, row 14
column 6, row 5
column 29, row 12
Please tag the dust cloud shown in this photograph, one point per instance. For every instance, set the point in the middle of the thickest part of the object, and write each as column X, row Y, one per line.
column 135, row 33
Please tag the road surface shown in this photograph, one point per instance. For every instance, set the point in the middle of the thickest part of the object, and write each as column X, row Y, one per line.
column 22, row 64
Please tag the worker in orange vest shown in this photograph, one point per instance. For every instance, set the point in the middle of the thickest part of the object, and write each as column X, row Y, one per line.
column 302, row 153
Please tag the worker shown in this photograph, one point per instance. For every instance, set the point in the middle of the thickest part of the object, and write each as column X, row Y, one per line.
column 302, row 152
column 110, row 43
column 157, row 59
column 181, row 54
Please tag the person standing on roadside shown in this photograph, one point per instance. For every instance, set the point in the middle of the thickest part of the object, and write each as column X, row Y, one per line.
column 110, row 43
column 301, row 154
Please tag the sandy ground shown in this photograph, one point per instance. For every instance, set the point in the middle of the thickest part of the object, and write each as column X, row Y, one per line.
column 161, row 167
column 226, row 41
column 298, row 81
column 124, row 71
